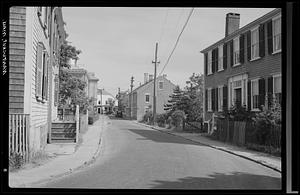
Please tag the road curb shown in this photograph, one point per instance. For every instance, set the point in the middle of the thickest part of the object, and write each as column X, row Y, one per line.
column 224, row 150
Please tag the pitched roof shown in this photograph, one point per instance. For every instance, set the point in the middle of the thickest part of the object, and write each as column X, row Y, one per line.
column 149, row 83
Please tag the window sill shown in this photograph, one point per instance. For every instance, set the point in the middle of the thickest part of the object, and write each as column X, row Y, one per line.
column 276, row 52
column 209, row 111
column 209, row 74
column 254, row 59
column 238, row 64
column 221, row 70
column 220, row 110
column 255, row 110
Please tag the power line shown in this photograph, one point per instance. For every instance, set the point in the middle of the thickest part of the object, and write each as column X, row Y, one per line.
column 190, row 14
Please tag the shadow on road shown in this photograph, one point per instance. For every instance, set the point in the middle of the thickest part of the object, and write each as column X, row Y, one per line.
column 237, row 180
column 157, row 136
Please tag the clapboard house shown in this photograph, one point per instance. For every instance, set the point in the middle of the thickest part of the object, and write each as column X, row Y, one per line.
column 34, row 39
column 244, row 67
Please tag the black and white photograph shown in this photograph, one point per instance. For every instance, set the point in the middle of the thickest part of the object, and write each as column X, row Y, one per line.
column 175, row 98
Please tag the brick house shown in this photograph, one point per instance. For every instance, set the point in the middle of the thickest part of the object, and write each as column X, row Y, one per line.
column 245, row 66
column 35, row 37
column 142, row 96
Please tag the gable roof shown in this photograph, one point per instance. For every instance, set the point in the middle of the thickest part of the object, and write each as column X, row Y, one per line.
column 150, row 82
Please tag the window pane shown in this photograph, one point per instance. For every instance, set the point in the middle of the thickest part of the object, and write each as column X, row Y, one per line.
column 255, row 88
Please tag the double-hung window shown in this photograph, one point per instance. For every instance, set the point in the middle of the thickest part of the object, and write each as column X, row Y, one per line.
column 160, row 85
column 277, row 34
column 236, row 51
column 254, row 44
column 209, row 63
column 209, row 91
column 147, row 98
column 41, row 77
column 277, row 88
column 220, row 57
column 254, row 95
column 220, row 98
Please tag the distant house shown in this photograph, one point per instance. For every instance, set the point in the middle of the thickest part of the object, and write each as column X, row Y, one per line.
column 105, row 101
column 244, row 68
column 36, row 34
column 142, row 97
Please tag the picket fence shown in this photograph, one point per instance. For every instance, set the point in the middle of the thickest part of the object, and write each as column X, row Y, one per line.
column 19, row 135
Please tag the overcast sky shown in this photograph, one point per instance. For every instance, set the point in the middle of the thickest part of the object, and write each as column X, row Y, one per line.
column 118, row 43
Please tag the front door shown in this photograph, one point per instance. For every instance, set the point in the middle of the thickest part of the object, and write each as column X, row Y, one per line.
column 238, row 97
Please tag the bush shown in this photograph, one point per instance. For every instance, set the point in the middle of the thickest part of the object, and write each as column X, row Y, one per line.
column 91, row 120
column 15, row 160
column 161, row 119
column 148, row 117
column 178, row 117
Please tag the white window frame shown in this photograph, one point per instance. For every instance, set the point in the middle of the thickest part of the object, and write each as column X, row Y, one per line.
column 243, row 78
column 253, row 57
column 159, row 85
column 209, row 100
column 273, row 34
column 236, row 51
column 209, row 63
column 220, row 58
column 220, row 98
column 146, row 97
column 252, row 100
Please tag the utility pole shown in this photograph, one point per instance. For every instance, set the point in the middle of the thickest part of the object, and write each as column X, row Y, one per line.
column 131, row 97
column 154, row 84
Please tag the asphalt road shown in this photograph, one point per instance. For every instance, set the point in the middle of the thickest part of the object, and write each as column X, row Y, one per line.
column 137, row 157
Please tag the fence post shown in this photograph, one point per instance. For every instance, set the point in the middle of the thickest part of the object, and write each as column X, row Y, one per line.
column 77, row 122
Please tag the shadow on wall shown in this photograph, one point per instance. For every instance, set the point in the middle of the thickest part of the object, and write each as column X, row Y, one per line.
column 236, row 180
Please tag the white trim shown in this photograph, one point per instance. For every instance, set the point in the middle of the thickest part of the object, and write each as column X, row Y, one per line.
column 220, row 47
column 220, row 108
column 251, row 98
column 251, row 35
column 276, row 17
column 254, row 59
column 276, row 76
column 237, row 38
column 237, row 64
column 209, row 106
column 146, row 98
column 275, row 52
column 273, row 29
column 254, row 28
column 209, row 62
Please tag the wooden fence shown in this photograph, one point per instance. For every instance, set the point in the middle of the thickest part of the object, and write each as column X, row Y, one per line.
column 241, row 133
column 19, row 135
column 66, row 115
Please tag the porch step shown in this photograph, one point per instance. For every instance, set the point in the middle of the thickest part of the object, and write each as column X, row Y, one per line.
column 65, row 125
column 63, row 140
column 63, row 132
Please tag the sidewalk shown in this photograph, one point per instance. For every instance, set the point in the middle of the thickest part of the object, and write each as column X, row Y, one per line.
column 63, row 164
column 264, row 159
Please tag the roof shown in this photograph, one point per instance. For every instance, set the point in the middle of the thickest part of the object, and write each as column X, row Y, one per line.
column 149, row 83
column 104, row 92
column 245, row 28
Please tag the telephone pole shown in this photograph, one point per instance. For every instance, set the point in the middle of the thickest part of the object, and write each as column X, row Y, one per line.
column 154, row 84
column 131, row 96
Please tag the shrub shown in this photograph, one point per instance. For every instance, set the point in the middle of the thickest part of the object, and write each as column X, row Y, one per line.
column 148, row 117
column 161, row 119
column 178, row 117
column 15, row 160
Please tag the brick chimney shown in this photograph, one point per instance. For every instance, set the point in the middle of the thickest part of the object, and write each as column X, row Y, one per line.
column 151, row 77
column 232, row 23
column 145, row 78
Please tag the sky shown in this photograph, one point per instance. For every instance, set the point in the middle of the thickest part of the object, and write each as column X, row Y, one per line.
column 119, row 42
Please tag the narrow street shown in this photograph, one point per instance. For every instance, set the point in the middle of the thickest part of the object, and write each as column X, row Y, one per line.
column 137, row 157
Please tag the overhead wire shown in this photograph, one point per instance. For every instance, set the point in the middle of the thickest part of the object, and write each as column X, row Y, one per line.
column 177, row 41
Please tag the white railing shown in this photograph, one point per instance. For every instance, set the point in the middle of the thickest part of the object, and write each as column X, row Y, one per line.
column 19, row 135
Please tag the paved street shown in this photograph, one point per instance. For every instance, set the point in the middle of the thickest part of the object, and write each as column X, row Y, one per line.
column 136, row 157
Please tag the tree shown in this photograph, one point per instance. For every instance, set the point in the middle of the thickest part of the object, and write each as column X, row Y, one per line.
column 175, row 101
column 71, row 88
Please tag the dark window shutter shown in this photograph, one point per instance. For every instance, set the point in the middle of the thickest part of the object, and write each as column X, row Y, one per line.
column 270, row 36
column 206, row 100
column 213, row 61
column 242, row 37
column 261, row 40
column 248, row 45
column 205, row 63
column 261, row 89
column 216, row 99
column 249, row 95
column 225, row 56
column 217, row 58
column 39, row 68
column 270, row 91
column 213, row 99
column 225, row 95
column 231, row 52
